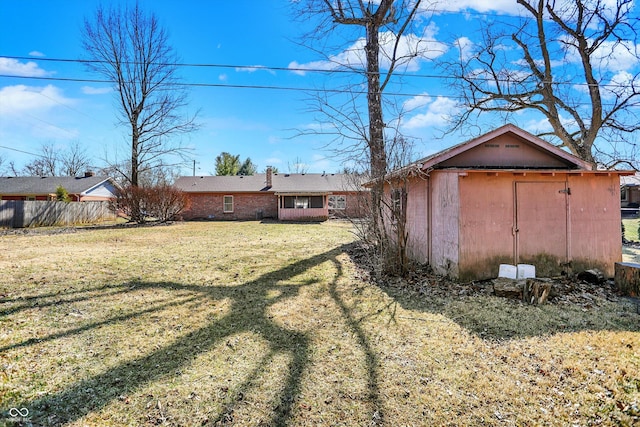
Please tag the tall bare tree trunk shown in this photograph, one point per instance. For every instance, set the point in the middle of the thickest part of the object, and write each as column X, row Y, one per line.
column 376, row 122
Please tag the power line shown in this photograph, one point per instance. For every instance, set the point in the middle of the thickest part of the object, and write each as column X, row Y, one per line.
column 283, row 88
column 226, row 85
column 354, row 71
column 20, row 151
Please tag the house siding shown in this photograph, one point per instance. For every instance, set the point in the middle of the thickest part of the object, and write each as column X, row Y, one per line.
column 249, row 206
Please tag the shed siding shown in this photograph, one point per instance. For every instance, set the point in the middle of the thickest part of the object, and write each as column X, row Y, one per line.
column 418, row 219
column 445, row 207
column 507, row 150
column 594, row 212
column 486, row 224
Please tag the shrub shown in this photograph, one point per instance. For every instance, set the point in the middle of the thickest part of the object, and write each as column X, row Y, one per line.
column 62, row 195
column 165, row 202
column 161, row 202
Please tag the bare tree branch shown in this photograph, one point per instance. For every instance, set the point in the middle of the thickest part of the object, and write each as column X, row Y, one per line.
column 564, row 74
column 130, row 48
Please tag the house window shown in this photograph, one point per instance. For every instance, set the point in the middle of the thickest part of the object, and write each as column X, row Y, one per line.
column 316, row 202
column 227, row 204
column 624, row 194
column 289, row 202
column 338, row 202
column 302, row 202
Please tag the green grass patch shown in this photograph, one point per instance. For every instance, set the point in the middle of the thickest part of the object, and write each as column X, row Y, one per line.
column 270, row 324
column 631, row 229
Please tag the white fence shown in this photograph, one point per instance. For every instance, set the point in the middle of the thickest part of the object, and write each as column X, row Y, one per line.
column 22, row 213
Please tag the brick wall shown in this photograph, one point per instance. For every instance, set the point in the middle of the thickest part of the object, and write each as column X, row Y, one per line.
column 357, row 206
column 245, row 206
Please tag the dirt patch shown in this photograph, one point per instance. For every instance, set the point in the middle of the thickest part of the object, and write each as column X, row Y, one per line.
column 423, row 283
column 46, row 231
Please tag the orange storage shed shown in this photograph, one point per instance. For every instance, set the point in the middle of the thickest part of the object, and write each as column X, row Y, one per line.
column 511, row 197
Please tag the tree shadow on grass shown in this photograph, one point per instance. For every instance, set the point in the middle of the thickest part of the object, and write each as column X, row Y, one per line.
column 62, row 297
column 248, row 311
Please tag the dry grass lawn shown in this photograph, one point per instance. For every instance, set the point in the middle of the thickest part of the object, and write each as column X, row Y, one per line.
column 267, row 324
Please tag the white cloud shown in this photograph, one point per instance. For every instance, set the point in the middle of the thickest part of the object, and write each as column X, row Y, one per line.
column 465, row 46
column 437, row 114
column 500, row 6
column 90, row 90
column 254, row 68
column 417, row 101
column 618, row 57
column 37, row 54
column 24, row 99
column 412, row 48
column 223, row 77
column 620, row 86
column 544, row 126
column 13, row 67
column 32, row 112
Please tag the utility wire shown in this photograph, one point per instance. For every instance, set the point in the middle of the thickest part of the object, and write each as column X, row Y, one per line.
column 225, row 85
column 354, row 71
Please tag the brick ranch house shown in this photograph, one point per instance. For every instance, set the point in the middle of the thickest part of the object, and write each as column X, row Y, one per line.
column 510, row 197
column 630, row 195
column 287, row 197
column 80, row 188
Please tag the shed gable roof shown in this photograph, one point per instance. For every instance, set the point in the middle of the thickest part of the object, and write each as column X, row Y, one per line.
column 507, row 147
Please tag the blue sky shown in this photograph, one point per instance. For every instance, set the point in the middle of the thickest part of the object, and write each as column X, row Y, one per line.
column 257, row 123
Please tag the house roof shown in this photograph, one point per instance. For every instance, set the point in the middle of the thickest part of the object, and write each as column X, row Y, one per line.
column 312, row 183
column 539, row 153
column 35, row 185
column 631, row 180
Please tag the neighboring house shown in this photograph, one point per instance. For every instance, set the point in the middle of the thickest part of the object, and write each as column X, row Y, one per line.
column 630, row 195
column 297, row 197
column 511, row 197
column 81, row 189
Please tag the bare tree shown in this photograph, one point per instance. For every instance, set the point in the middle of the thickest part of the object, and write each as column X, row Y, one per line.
column 75, row 160
column 132, row 50
column 297, row 166
column 2, row 167
column 567, row 61
column 380, row 40
column 46, row 164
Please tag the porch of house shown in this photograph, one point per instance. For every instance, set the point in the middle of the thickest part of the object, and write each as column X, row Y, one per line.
column 303, row 207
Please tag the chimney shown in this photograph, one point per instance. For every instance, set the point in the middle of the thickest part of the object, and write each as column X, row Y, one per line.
column 269, row 173
column 88, row 174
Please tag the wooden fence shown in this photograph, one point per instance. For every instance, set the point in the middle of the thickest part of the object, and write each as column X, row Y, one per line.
column 22, row 213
